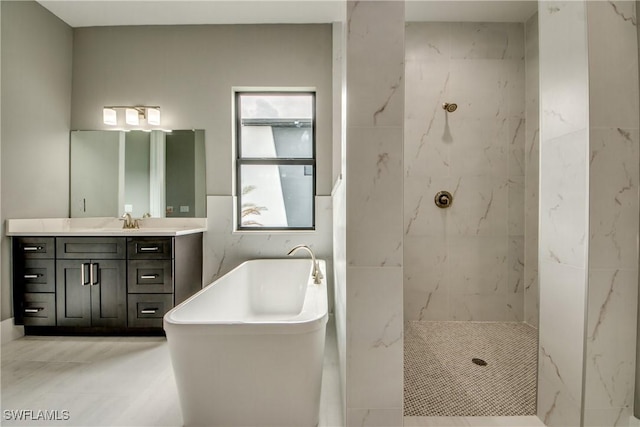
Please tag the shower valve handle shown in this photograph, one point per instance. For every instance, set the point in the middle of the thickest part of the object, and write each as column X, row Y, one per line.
column 443, row 199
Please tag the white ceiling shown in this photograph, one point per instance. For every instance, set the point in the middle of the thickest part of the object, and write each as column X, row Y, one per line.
column 89, row 13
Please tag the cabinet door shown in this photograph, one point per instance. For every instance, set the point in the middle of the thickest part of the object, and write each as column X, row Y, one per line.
column 108, row 293
column 73, row 293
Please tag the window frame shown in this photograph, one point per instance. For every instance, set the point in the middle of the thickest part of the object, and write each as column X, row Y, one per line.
column 240, row 161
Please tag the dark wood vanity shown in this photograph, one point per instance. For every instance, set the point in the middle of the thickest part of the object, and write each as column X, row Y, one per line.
column 102, row 284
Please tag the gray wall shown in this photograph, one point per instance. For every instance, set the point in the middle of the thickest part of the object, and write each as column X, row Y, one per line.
column 189, row 71
column 36, row 103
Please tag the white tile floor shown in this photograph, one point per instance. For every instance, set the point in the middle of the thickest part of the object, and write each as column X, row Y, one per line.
column 113, row 381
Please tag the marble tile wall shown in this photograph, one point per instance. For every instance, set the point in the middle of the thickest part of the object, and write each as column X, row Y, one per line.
column 224, row 249
column 563, row 233
column 466, row 262
column 613, row 213
column 339, row 200
column 374, row 220
column 532, row 166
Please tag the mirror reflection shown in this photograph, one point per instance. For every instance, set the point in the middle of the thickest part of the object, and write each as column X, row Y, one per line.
column 157, row 173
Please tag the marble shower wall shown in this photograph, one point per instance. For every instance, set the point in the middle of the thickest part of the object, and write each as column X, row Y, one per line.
column 374, row 237
column 613, row 213
column 588, row 212
column 532, row 173
column 466, row 262
column 564, row 198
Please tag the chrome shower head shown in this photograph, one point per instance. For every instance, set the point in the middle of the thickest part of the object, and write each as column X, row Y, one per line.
column 450, row 108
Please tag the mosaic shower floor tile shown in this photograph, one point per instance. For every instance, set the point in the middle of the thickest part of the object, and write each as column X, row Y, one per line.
column 441, row 378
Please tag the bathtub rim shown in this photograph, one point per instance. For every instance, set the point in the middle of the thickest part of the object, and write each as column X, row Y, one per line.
column 304, row 322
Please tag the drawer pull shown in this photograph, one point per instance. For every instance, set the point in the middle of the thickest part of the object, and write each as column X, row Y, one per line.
column 33, row 310
column 149, row 311
column 31, row 248
column 149, row 276
column 32, row 276
column 149, row 249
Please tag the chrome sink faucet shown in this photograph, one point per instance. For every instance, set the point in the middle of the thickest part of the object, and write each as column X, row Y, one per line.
column 129, row 223
column 317, row 274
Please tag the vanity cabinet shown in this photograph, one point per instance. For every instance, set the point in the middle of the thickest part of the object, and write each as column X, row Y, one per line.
column 34, row 281
column 102, row 284
column 150, row 280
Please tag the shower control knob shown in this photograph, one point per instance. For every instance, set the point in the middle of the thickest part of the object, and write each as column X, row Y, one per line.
column 443, row 199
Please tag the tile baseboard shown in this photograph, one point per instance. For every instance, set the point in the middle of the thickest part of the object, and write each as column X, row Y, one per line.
column 9, row 331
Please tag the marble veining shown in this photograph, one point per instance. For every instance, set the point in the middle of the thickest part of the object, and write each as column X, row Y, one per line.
column 549, row 413
column 631, row 18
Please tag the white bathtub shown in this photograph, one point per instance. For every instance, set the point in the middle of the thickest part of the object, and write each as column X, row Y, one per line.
column 247, row 350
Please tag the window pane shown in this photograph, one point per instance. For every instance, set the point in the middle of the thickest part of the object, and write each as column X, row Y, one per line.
column 283, row 106
column 277, row 142
column 276, row 196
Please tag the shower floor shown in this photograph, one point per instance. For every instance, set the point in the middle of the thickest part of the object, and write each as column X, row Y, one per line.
column 440, row 378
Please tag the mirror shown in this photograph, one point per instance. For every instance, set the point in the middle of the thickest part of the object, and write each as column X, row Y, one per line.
column 157, row 172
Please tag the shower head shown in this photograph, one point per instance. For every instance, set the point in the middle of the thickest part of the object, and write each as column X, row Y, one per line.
column 450, row 108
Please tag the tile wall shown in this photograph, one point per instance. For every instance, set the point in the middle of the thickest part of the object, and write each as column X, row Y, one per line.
column 588, row 212
column 374, row 237
column 613, row 213
column 563, row 244
column 466, row 262
column 532, row 172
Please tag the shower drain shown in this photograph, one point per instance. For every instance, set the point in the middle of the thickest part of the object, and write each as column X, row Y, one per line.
column 479, row 362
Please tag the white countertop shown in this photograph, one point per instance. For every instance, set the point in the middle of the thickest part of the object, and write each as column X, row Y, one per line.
column 103, row 227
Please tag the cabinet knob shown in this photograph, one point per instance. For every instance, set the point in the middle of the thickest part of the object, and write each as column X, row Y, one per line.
column 33, row 309
column 149, row 311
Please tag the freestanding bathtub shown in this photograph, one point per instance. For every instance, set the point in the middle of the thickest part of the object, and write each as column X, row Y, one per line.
column 247, row 350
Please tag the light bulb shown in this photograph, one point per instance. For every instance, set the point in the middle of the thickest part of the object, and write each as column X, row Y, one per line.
column 131, row 116
column 109, row 116
column 153, row 116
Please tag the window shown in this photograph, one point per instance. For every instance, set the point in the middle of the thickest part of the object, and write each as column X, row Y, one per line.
column 275, row 160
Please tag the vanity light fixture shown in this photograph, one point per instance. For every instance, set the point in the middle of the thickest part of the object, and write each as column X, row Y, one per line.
column 133, row 114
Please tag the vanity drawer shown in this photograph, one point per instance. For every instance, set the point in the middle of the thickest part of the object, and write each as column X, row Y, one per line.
column 37, row 275
column 91, row 248
column 39, row 309
column 34, row 247
column 150, row 276
column 147, row 310
column 150, row 247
